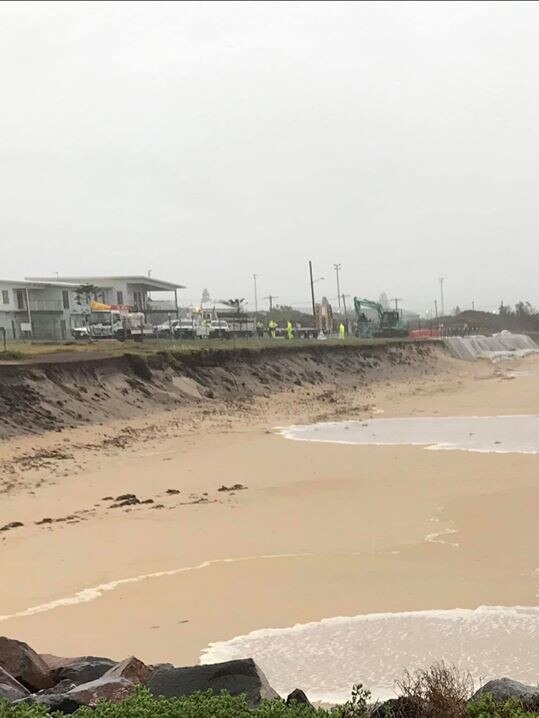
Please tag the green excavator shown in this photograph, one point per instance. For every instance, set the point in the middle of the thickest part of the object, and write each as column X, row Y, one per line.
column 389, row 322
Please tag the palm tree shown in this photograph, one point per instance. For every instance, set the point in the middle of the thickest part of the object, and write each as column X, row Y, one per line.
column 234, row 303
column 86, row 292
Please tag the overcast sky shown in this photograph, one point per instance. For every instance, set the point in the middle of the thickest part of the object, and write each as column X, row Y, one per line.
column 209, row 141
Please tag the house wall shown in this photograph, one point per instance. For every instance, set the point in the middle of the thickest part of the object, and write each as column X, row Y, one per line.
column 50, row 318
column 10, row 316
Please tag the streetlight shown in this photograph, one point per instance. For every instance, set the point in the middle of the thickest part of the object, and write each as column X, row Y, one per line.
column 337, row 268
column 441, row 280
column 255, row 277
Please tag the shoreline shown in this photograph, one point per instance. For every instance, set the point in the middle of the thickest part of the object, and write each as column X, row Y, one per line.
column 356, row 519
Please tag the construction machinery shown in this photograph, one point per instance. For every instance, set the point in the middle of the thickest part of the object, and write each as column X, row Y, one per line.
column 387, row 324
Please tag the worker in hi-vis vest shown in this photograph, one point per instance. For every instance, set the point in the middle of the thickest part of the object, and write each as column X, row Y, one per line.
column 341, row 331
column 289, row 330
column 272, row 326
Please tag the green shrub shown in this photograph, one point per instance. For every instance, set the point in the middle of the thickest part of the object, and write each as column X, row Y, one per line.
column 436, row 703
column 10, row 355
column 487, row 707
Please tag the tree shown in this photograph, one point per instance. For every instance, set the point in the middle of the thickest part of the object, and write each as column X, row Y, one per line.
column 523, row 309
column 86, row 292
column 383, row 300
column 504, row 310
column 456, row 310
column 236, row 304
column 205, row 297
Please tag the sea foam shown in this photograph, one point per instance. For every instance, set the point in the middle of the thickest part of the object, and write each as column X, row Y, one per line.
column 326, row 658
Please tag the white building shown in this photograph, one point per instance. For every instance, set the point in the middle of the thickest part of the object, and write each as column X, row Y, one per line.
column 49, row 307
column 38, row 309
column 129, row 290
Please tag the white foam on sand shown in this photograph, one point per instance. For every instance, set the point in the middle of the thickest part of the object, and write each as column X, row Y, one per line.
column 439, row 537
column 94, row 592
column 485, row 434
column 327, row 657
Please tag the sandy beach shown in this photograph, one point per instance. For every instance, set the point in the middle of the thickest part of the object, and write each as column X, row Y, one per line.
column 319, row 530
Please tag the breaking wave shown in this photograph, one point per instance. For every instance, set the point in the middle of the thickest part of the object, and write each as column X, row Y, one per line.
column 489, row 434
column 327, row 657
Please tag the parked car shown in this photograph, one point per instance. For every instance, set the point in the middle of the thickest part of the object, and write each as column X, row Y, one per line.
column 166, row 329
column 185, row 329
column 219, row 328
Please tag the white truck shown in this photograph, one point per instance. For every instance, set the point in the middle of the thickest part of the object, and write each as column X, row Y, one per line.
column 114, row 324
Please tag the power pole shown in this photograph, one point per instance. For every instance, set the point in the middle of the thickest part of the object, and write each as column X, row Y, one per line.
column 441, row 280
column 436, row 309
column 312, row 290
column 255, row 276
column 396, row 300
column 473, row 306
column 271, row 297
column 337, row 268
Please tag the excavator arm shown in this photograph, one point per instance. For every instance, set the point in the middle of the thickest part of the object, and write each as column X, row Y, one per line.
column 360, row 304
column 389, row 321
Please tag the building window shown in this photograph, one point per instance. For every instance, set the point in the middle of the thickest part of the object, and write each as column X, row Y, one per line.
column 119, row 297
column 20, row 299
column 5, row 296
column 65, row 298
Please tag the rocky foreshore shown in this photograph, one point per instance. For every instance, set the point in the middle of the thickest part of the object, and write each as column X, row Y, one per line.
column 65, row 684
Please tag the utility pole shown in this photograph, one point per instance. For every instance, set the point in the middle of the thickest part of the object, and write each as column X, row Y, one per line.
column 271, row 297
column 312, row 290
column 396, row 300
column 473, row 306
column 337, row 268
column 436, row 309
column 255, row 277
column 441, row 280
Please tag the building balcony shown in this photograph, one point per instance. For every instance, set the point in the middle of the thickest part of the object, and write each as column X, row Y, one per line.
column 45, row 305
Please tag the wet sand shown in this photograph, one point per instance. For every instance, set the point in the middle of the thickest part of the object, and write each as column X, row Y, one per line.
column 321, row 530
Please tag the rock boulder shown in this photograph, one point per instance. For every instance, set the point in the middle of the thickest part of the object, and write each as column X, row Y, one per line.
column 24, row 664
column 236, row 677
column 298, row 696
column 82, row 670
column 401, row 707
column 10, row 688
column 502, row 689
column 132, row 669
column 114, row 690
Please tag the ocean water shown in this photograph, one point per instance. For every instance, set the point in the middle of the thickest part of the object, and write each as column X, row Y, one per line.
column 497, row 434
column 327, row 657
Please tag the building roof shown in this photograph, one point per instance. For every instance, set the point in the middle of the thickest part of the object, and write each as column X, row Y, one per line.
column 151, row 284
column 37, row 283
